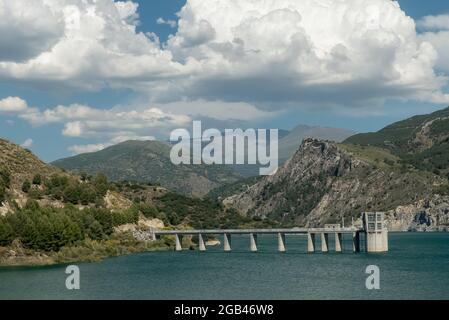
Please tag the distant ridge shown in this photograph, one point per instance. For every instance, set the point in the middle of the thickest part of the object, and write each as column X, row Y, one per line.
column 149, row 161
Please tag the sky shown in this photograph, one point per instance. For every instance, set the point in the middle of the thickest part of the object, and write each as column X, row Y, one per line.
column 77, row 76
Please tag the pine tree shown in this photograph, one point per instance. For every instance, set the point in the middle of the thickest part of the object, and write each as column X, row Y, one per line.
column 6, row 233
column 37, row 180
column 26, row 186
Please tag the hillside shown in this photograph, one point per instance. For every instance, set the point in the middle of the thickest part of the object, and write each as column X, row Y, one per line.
column 421, row 141
column 49, row 216
column 324, row 182
column 23, row 163
column 149, row 162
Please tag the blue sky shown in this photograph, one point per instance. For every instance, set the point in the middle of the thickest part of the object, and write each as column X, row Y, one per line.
column 55, row 135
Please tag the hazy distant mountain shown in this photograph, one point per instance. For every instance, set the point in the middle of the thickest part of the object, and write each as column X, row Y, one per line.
column 149, row 161
column 291, row 142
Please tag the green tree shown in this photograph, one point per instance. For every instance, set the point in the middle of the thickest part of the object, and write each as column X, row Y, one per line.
column 72, row 194
column 101, row 184
column 2, row 193
column 37, row 180
column 26, row 186
column 5, row 178
column 6, row 232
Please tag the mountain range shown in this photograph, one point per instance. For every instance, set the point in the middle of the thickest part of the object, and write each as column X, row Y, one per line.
column 149, row 161
column 402, row 170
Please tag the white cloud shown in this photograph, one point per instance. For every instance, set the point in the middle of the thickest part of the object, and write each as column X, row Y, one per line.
column 439, row 22
column 440, row 41
column 88, row 148
column 308, row 52
column 128, row 11
column 438, row 36
column 219, row 110
column 13, row 105
column 28, row 28
column 27, row 143
column 270, row 53
column 78, row 149
column 113, row 125
column 130, row 122
column 90, row 44
column 171, row 23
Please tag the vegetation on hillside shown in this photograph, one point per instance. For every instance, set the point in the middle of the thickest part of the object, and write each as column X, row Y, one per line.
column 149, row 161
column 420, row 141
column 84, row 228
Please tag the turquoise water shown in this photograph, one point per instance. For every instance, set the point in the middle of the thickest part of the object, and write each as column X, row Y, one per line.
column 416, row 267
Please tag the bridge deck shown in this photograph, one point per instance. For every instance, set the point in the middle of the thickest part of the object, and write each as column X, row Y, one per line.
column 257, row 231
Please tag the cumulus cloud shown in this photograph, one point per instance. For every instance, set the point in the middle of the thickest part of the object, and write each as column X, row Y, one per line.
column 171, row 23
column 133, row 122
column 220, row 110
column 87, row 122
column 311, row 51
column 438, row 22
column 438, row 35
column 272, row 53
column 13, row 105
column 77, row 43
column 27, row 143
column 27, row 28
column 88, row 148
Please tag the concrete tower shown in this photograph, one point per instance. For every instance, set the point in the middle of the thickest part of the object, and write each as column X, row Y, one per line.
column 376, row 232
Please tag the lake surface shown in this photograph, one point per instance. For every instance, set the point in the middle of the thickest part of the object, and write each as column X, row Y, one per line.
column 416, row 267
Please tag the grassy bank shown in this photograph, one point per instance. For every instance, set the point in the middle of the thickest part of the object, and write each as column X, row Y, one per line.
column 84, row 251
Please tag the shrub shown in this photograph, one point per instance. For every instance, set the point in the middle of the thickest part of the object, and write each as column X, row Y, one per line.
column 5, row 178
column 37, row 180
column 6, row 233
column 2, row 193
column 26, row 186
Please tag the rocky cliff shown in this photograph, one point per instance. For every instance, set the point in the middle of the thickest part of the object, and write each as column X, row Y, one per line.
column 325, row 182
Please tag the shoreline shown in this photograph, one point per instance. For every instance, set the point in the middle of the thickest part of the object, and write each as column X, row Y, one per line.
column 18, row 257
column 94, row 251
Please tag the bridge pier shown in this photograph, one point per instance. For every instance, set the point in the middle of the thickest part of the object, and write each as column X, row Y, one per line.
column 324, row 242
column 356, row 241
column 227, row 242
column 376, row 236
column 281, row 242
column 338, row 242
column 178, row 240
column 153, row 235
column 310, row 242
column 253, row 242
column 201, row 242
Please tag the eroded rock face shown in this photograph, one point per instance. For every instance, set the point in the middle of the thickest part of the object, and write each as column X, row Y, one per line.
column 140, row 230
column 324, row 183
column 288, row 193
column 115, row 201
column 424, row 215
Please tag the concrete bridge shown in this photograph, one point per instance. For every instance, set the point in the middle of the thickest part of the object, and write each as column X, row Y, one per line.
column 376, row 236
column 311, row 233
